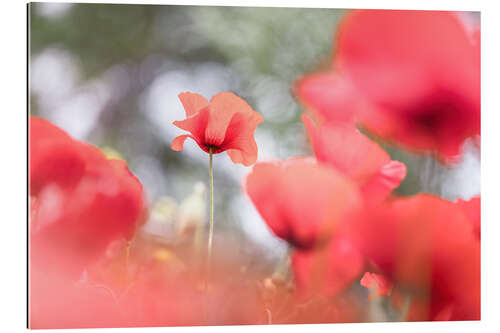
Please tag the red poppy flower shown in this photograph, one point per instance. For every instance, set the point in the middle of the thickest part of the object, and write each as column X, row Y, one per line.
column 344, row 148
column 427, row 247
column 82, row 200
column 302, row 202
column 420, row 69
column 333, row 269
column 227, row 122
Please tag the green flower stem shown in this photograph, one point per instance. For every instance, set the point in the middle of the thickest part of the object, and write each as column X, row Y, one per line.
column 211, row 221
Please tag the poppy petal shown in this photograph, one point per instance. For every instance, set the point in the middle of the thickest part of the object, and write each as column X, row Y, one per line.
column 300, row 201
column 384, row 182
column 240, row 139
column 223, row 107
column 192, row 103
column 261, row 185
column 317, row 200
column 439, row 48
column 104, row 202
column 427, row 92
column 53, row 156
column 346, row 149
column 178, row 142
column 195, row 124
column 472, row 209
column 329, row 96
column 378, row 282
column 425, row 244
column 329, row 270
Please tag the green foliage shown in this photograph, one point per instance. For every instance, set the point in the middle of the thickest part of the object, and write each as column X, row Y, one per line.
column 99, row 34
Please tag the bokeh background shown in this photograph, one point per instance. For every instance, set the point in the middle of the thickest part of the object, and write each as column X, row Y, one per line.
column 110, row 74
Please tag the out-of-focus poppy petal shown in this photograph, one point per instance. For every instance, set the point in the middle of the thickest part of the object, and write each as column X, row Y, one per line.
column 472, row 208
column 327, row 270
column 445, row 314
column 346, row 149
column 262, row 186
column 53, row 158
column 73, row 225
column 178, row 142
column 223, row 107
column 42, row 130
column 55, row 162
column 192, row 103
column 317, row 200
column 345, row 265
column 378, row 282
column 73, row 228
column 425, row 244
column 381, row 70
column 476, row 38
column 131, row 192
column 329, row 96
column 307, row 201
column 429, row 89
column 384, row 182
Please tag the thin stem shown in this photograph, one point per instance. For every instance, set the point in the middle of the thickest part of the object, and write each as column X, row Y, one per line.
column 211, row 222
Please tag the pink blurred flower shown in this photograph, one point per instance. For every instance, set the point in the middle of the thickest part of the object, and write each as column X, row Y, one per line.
column 81, row 200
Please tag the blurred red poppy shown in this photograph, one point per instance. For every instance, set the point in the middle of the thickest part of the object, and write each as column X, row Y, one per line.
column 227, row 122
column 342, row 147
column 421, row 71
column 82, row 201
column 427, row 247
column 302, row 202
column 353, row 154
